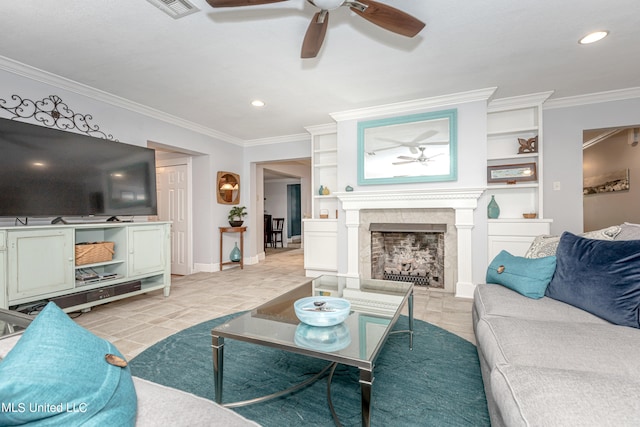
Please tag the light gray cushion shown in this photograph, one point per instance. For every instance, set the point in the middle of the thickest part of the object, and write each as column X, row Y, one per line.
column 532, row 396
column 159, row 405
column 608, row 233
column 588, row 347
column 629, row 231
column 495, row 300
column 546, row 245
column 543, row 246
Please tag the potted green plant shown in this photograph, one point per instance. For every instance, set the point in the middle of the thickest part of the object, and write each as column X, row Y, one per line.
column 236, row 214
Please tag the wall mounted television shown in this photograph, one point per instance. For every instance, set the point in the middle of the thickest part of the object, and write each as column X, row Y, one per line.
column 46, row 172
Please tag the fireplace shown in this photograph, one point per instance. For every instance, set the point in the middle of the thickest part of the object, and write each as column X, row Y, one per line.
column 405, row 222
column 453, row 207
column 408, row 253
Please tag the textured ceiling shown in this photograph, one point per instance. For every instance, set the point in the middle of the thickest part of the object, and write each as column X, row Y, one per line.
column 208, row 66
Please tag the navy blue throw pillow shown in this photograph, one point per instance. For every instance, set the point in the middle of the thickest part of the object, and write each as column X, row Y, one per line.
column 599, row 276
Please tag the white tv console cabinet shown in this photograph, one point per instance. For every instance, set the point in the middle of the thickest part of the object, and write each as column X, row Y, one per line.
column 38, row 262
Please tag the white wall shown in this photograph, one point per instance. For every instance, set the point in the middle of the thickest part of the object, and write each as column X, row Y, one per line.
column 563, row 155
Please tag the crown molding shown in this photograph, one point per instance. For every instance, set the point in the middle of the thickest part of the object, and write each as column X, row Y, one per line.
column 24, row 70
column 415, row 105
column 322, row 129
column 277, row 140
column 518, row 101
column 593, row 98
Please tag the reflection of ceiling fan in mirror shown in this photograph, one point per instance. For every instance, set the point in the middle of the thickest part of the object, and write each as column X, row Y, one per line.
column 382, row 15
column 422, row 159
column 414, row 145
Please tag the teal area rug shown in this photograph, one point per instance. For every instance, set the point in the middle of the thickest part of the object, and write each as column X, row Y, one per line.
column 438, row 383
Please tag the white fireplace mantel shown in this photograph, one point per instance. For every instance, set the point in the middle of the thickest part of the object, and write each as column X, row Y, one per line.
column 462, row 200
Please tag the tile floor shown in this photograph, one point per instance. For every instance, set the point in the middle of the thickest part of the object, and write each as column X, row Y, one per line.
column 133, row 324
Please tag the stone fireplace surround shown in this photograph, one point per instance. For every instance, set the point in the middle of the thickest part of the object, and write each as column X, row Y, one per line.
column 454, row 207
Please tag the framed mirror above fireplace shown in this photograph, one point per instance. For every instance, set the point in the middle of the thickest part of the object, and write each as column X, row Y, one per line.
column 414, row 148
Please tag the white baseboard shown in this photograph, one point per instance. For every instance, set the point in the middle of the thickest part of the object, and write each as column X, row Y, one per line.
column 465, row 290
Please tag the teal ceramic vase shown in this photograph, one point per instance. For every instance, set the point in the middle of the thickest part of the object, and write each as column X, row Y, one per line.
column 235, row 254
column 321, row 190
column 493, row 210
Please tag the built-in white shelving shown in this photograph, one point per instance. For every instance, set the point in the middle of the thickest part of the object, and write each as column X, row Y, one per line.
column 321, row 230
column 508, row 120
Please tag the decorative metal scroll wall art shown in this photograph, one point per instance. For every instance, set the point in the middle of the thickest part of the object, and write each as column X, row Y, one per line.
column 54, row 113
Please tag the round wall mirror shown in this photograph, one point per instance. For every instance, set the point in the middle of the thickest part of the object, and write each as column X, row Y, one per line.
column 228, row 188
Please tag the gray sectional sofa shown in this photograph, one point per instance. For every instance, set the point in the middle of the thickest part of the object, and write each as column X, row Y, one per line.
column 547, row 363
column 555, row 360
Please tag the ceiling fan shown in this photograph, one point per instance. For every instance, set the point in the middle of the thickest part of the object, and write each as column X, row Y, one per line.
column 422, row 159
column 384, row 16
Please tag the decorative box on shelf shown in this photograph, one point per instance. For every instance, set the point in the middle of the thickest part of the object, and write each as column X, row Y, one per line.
column 94, row 252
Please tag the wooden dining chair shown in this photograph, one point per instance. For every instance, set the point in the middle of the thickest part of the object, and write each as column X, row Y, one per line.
column 278, row 225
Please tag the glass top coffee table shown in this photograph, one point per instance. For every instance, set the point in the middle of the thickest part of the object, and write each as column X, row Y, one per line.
column 375, row 308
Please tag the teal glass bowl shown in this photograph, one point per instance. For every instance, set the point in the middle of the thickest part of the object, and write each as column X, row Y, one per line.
column 322, row 311
column 328, row 338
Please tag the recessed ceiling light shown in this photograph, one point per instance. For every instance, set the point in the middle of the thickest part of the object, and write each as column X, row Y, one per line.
column 257, row 103
column 593, row 37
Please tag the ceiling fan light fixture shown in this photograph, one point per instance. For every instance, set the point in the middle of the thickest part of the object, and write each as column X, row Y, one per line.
column 326, row 4
column 175, row 8
column 593, row 37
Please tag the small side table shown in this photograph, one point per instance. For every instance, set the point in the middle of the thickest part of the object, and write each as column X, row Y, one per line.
column 240, row 230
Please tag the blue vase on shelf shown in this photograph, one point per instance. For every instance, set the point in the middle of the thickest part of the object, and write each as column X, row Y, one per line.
column 235, row 254
column 493, row 210
column 321, row 190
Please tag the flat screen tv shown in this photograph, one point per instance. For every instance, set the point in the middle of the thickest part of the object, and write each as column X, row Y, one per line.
column 47, row 172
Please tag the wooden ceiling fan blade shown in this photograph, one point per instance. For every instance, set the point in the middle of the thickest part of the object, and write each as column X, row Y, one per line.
column 403, row 163
column 236, row 3
column 315, row 35
column 388, row 17
column 411, row 159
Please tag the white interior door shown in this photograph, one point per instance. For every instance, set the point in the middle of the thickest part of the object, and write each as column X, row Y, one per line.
column 173, row 205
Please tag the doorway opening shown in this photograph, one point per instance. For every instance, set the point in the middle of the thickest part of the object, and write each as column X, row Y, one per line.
column 610, row 159
column 287, row 197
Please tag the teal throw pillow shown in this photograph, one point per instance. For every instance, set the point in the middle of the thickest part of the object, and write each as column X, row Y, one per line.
column 57, row 375
column 527, row 276
column 599, row 276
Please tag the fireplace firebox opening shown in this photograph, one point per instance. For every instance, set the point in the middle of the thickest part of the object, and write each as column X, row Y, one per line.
column 409, row 252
